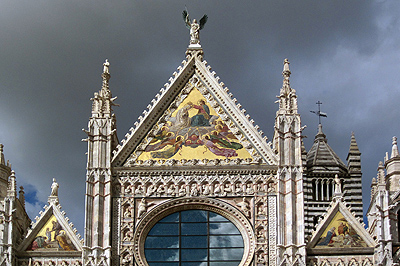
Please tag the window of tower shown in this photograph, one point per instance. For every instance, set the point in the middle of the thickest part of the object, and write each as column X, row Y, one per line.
column 194, row 237
column 314, row 189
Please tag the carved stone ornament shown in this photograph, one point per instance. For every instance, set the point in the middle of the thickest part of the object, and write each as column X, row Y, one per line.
column 190, row 203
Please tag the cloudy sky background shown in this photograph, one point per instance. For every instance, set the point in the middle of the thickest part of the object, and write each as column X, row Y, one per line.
column 345, row 54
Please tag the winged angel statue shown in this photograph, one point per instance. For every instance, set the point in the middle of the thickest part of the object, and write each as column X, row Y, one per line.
column 194, row 27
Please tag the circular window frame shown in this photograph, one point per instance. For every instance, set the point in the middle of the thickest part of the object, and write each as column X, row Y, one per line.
column 164, row 209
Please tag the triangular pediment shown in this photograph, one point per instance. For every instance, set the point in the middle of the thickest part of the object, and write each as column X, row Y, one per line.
column 51, row 233
column 194, row 119
column 340, row 229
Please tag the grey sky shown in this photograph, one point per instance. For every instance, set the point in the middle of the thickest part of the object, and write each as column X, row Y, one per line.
column 344, row 53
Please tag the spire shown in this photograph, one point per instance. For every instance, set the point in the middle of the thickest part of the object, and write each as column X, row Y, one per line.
column 354, row 156
column 287, row 98
column 395, row 150
column 102, row 100
column 22, row 196
column 353, row 145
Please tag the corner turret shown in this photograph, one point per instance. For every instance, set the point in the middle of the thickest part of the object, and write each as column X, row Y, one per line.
column 392, row 166
column 288, row 145
column 102, row 140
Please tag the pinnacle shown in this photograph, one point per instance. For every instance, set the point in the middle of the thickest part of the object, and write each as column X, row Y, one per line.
column 2, row 160
column 286, row 71
column 395, row 150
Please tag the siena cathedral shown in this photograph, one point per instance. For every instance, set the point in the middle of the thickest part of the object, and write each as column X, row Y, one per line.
column 195, row 183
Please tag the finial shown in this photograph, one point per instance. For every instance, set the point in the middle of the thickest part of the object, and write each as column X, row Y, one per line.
column 106, row 65
column 54, row 188
column 395, row 150
column 53, row 198
column 337, row 195
column 286, row 71
column 194, row 28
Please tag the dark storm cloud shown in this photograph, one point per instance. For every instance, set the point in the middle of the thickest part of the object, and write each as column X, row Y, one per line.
column 343, row 53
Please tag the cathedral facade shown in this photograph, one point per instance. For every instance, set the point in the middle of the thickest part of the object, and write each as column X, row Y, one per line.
column 195, row 182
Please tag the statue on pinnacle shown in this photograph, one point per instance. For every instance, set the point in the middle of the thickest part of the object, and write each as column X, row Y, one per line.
column 194, row 28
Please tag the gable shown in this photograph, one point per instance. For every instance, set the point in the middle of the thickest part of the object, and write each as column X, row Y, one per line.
column 340, row 229
column 340, row 234
column 176, row 128
column 51, row 237
column 193, row 131
column 52, row 233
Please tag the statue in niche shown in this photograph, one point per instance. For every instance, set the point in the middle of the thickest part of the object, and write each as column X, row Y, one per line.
column 227, row 189
column 127, row 259
column 250, row 189
column 193, row 190
column 171, row 190
column 194, row 27
column 260, row 187
column 128, row 236
column 271, row 187
column 128, row 189
column 244, row 206
column 142, row 208
column 139, row 189
column 160, row 190
column 150, row 190
column 182, row 191
column 128, row 212
column 206, row 189
column 217, row 189
column 238, row 188
column 260, row 210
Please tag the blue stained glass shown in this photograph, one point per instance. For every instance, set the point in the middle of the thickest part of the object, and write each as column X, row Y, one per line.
column 162, row 254
column 194, row 238
column 194, row 242
column 198, row 263
column 226, row 241
column 226, row 254
column 164, row 263
column 194, row 254
column 164, row 229
column 162, row 242
column 193, row 229
column 194, row 216
column 223, row 229
column 225, row 263
column 214, row 217
column 170, row 218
